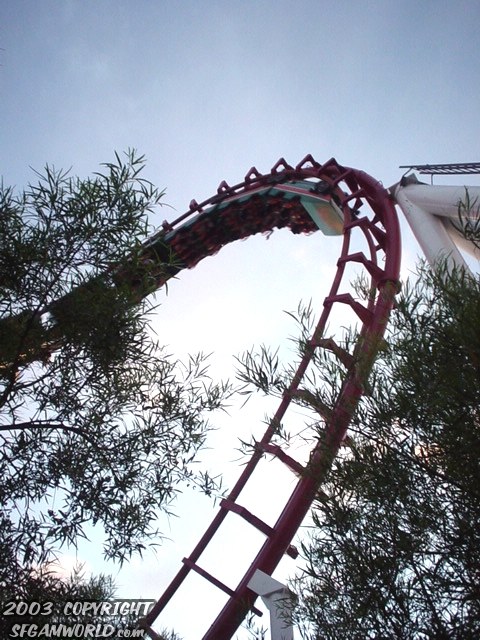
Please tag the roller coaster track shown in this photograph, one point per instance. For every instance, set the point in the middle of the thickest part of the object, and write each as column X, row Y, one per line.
column 305, row 198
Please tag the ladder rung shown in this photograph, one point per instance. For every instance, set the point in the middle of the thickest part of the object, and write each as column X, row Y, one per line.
column 373, row 269
column 208, row 576
column 314, row 402
column 247, row 515
column 344, row 356
column 276, row 451
column 365, row 315
column 291, row 551
column 368, row 226
column 215, row 581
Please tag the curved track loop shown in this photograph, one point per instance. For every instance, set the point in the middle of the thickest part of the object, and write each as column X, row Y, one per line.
column 256, row 206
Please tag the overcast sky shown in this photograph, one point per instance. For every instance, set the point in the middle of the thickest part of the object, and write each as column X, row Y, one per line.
column 206, row 89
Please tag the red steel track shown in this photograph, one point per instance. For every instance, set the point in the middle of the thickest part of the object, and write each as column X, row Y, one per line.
column 254, row 206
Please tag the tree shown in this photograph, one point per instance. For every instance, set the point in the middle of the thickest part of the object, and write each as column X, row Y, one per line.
column 30, row 588
column 46, row 603
column 395, row 547
column 98, row 425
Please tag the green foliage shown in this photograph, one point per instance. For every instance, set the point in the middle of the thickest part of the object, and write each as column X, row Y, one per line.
column 469, row 219
column 104, row 429
column 395, row 551
column 262, row 370
column 60, row 241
